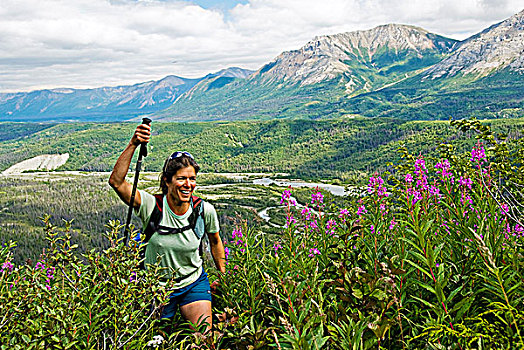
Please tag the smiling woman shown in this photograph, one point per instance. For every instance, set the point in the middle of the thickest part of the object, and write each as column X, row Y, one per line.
column 174, row 224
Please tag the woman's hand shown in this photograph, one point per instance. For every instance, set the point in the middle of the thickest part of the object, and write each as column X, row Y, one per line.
column 142, row 134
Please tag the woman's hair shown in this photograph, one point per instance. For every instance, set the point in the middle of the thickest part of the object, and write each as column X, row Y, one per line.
column 174, row 163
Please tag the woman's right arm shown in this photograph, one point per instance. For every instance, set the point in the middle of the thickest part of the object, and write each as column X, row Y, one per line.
column 117, row 180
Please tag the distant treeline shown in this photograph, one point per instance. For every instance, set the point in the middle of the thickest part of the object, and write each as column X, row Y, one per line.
column 341, row 148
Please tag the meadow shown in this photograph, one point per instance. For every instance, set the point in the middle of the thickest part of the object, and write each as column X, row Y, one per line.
column 430, row 257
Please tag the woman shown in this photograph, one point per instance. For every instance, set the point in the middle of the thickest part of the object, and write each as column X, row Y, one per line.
column 179, row 252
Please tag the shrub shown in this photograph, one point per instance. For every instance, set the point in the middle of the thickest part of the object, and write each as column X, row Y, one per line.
column 63, row 301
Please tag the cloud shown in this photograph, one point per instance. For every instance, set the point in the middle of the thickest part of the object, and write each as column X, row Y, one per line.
column 90, row 43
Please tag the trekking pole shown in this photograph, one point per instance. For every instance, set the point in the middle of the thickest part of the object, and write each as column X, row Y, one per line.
column 143, row 153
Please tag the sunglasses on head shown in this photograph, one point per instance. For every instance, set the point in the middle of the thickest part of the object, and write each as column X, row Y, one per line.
column 178, row 154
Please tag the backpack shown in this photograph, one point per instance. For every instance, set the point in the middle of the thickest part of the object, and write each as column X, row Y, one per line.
column 196, row 223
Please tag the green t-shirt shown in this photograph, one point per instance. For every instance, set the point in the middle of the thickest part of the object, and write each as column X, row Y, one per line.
column 177, row 251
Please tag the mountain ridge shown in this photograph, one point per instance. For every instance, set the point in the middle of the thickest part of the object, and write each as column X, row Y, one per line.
column 392, row 69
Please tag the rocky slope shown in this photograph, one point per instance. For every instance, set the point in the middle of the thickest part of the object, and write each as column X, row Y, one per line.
column 374, row 50
column 499, row 47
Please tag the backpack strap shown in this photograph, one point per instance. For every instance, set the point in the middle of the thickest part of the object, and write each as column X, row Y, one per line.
column 197, row 205
column 154, row 220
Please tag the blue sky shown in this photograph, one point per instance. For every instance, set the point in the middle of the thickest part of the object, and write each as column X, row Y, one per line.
column 93, row 43
column 223, row 5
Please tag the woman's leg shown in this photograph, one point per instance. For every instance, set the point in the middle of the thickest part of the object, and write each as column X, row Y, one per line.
column 198, row 312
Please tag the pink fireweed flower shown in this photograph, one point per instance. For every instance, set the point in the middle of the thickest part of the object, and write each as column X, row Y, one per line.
column 227, row 252
column 434, row 191
column 290, row 220
column 478, row 154
column 343, row 213
column 466, row 199
column 443, row 168
column 237, row 233
column 504, row 209
column 306, row 213
column 466, row 182
column 331, row 224
column 286, row 198
column 392, row 224
column 519, row 230
column 313, row 252
column 276, row 247
column 7, row 266
column 408, row 178
column 361, row 210
column 317, row 198
column 421, row 174
column 417, row 196
column 50, row 273
column 375, row 185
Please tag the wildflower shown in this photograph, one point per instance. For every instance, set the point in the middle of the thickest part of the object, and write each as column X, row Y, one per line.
column 317, row 197
column 420, row 166
column 290, row 220
column 276, row 247
column 417, row 196
column 478, row 154
column 408, row 178
column 361, row 210
column 434, row 191
column 443, row 168
column 313, row 252
column 286, row 197
column 237, row 233
column 7, row 266
column 375, row 185
column 156, row 341
column 133, row 276
column 306, row 213
column 504, row 209
column 343, row 212
column 467, row 182
column 392, row 224
column 227, row 252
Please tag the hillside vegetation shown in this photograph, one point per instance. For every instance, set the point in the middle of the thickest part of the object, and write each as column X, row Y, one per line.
column 340, row 148
column 430, row 257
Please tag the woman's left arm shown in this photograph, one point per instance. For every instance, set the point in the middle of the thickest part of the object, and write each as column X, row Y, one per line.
column 217, row 251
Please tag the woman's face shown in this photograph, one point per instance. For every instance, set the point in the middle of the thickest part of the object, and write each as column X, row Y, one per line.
column 182, row 185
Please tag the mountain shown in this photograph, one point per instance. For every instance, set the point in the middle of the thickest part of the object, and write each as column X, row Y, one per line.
column 482, row 77
column 385, row 51
column 389, row 71
column 307, row 81
column 100, row 104
column 497, row 48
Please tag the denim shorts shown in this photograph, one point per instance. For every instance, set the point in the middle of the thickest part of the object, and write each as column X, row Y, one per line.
column 196, row 291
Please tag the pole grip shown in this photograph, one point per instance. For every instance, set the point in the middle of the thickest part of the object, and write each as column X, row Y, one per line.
column 143, row 146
